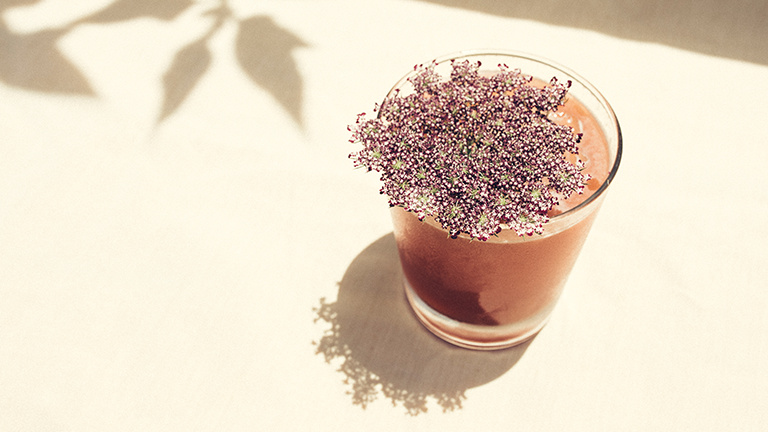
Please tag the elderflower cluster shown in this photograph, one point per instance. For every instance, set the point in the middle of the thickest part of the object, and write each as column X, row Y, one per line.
column 475, row 152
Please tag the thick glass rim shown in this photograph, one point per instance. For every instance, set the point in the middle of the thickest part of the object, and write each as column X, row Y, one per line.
column 573, row 76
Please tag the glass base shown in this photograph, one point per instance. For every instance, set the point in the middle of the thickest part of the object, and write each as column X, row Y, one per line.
column 473, row 336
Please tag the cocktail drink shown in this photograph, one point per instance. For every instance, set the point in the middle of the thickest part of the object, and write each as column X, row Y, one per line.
column 499, row 291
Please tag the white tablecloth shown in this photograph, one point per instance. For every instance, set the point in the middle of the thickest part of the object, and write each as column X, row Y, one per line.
column 184, row 244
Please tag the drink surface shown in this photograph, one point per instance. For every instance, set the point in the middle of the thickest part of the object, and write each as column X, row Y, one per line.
column 509, row 283
column 593, row 149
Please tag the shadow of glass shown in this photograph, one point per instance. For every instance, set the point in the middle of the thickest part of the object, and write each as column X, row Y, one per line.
column 734, row 29
column 382, row 349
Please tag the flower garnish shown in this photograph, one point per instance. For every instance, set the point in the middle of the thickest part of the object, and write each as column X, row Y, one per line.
column 476, row 152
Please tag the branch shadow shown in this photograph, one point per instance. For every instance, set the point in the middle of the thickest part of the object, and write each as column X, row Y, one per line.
column 263, row 50
column 33, row 61
column 382, row 350
column 735, row 29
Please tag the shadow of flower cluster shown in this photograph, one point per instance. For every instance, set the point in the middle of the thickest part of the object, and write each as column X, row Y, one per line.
column 33, row 61
column 366, row 386
column 381, row 349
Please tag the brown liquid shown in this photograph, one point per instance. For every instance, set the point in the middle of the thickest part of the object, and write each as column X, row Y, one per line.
column 510, row 279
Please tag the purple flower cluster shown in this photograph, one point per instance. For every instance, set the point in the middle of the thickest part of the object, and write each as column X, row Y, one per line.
column 477, row 152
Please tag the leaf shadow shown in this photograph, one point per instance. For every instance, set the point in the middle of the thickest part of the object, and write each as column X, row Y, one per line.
column 735, row 29
column 263, row 50
column 124, row 10
column 33, row 62
column 187, row 68
column 382, row 350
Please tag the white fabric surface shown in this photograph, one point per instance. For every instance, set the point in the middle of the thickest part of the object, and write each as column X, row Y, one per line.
column 184, row 243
